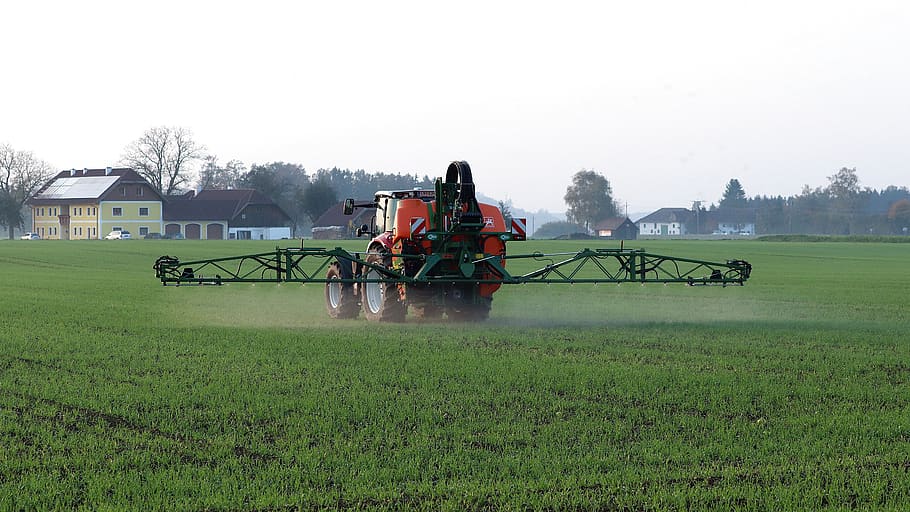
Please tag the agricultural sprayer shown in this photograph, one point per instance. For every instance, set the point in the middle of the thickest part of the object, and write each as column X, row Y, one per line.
column 437, row 252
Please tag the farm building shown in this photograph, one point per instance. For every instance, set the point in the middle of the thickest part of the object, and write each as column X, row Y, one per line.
column 731, row 221
column 666, row 222
column 89, row 203
column 236, row 214
column 616, row 228
column 335, row 225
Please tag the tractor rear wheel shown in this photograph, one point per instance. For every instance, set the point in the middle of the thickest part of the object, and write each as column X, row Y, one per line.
column 470, row 311
column 381, row 299
column 340, row 299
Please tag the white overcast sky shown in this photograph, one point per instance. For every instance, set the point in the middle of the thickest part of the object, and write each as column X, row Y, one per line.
column 667, row 99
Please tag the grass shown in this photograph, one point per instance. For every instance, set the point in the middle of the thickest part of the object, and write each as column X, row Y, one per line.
column 792, row 392
column 836, row 238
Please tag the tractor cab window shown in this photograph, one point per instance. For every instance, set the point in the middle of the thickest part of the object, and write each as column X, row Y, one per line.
column 385, row 217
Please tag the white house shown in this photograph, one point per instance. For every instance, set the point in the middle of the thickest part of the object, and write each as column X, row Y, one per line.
column 666, row 222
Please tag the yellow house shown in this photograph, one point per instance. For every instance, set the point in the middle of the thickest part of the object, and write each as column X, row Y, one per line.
column 90, row 203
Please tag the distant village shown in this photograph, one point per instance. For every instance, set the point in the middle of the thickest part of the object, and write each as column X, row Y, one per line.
column 83, row 204
column 167, row 186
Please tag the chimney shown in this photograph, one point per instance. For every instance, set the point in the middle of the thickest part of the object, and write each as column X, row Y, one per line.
column 85, row 171
column 107, row 171
column 72, row 172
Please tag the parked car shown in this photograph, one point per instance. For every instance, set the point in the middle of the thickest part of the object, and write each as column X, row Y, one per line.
column 30, row 236
column 174, row 236
column 118, row 235
column 153, row 236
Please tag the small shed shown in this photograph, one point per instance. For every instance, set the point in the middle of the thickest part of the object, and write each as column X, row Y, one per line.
column 616, row 228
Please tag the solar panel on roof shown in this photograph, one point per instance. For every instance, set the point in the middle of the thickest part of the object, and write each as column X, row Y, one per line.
column 78, row 188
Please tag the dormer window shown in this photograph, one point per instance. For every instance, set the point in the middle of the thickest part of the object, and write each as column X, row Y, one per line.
column 122, row 191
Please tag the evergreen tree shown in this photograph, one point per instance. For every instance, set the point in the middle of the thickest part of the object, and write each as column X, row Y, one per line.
column 734, row 195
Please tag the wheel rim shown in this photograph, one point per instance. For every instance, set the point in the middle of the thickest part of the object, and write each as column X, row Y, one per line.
column 373, row 292
column 334, row 293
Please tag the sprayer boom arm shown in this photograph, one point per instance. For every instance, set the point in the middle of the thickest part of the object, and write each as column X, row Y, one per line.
column 309, row 265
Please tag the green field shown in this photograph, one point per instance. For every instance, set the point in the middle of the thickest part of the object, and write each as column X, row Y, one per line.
column 792, row 392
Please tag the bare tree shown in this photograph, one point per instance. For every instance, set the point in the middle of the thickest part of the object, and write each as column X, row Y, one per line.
column 21, row 175
column 164, row 156
column 213, row 175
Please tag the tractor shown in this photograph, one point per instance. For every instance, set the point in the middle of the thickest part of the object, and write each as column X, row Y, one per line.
column 439, row 252
column 444, row 237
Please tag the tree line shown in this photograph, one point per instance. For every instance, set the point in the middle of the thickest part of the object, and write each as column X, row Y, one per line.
column 173, row 162
column 841, row 207
column 21, row 175
column 303, row 196
column 167, row 157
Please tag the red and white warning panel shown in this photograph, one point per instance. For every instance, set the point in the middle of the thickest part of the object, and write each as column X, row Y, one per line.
column 418, row 226
column 519, row 228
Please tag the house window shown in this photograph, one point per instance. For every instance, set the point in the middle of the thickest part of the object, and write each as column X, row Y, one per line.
column 116, row 228
column 123, row 191
column 143, row 230
column 143, row 212
column 117, row 211
column 139, row 191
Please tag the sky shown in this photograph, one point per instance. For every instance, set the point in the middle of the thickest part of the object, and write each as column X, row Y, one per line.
column 668, row 100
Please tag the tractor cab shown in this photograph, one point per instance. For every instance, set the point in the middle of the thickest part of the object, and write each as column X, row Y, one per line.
column 387, row 204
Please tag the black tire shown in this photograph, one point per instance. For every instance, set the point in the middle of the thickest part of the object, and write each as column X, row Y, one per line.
column 470, row 311
column 340, row 298
column 381, row 300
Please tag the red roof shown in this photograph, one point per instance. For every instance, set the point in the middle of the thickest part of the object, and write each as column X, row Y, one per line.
column 212, row 204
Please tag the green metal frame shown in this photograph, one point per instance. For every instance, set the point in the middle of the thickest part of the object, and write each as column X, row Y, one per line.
column 309, row 265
